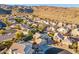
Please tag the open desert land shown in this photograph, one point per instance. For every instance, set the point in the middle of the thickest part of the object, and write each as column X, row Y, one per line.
column 62, row 14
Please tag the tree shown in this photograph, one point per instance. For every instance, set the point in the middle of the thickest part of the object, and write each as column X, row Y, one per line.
column 2, row 31
column 34, row 31
column 34, row 26
column 30, row 32
column 5, row 20
column 18, row 27
column 27, row 38
column 19, row 20
column 7, row 43
column 51, row 34
column 19, row 35
column 41, row 27
column 24, row 21
column 75, row 46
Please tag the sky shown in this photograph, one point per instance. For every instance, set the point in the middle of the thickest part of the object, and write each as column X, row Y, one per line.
column 58, row 5
column 66, row 5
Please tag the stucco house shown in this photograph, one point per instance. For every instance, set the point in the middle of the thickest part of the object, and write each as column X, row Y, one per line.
column 75, row 32
column 62, row 30
column 67, row 41
column 57, row 37
column 50, row 29
column 42, row 39
column 60, row 24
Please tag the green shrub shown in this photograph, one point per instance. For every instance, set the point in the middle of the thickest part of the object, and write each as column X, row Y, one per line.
column 27, row 38
column 19, row 20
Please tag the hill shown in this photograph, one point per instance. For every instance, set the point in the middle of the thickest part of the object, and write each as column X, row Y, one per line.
column 62, row 14
column 70, row 15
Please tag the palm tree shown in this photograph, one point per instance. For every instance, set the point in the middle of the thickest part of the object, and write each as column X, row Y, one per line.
column 75, row 46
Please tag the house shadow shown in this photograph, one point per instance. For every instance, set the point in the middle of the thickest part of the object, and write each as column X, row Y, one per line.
column 56, row 51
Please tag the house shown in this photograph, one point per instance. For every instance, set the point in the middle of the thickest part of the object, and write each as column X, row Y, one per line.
column 75, row 40
column 75, row 32
column 53, row 24
column 36, row 19
column 23, row 26
column 74, row 26
column 46, row 39
column 36, row 35
column 67, row 41
column 13, row 25
column 69, row 26
column 42, row 38
column 47, row 23
column 36, row 38
column 34, row 25
column 29, row 10
column 60, row 24
column 50, row 29
column 57, row 37
column 62, row 30
column 12, row 21
column 25, row 32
